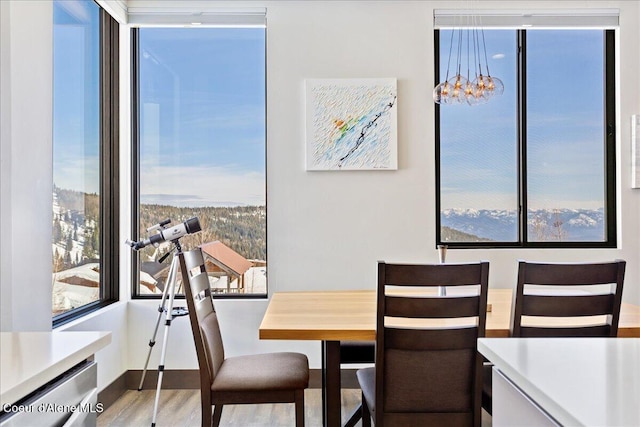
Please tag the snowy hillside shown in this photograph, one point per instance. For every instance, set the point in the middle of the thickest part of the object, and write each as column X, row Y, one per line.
column 543, row 225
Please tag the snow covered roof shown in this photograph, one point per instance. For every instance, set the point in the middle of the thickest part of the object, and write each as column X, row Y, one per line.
column 84, row 275
column 226, row 258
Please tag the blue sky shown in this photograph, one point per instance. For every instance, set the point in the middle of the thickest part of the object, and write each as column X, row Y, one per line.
column 75, row 96
column 565, row 126
column 203, row 116
column 202, row 119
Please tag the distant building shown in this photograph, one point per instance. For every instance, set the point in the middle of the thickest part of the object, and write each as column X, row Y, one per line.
column 221, row 260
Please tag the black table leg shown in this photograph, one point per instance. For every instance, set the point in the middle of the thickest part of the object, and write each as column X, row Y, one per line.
column 323, row 369
column 331, row 400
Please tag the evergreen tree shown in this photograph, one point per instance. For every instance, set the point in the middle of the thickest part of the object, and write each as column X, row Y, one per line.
column 57, row 231
column 90, row 248
column 69, row 244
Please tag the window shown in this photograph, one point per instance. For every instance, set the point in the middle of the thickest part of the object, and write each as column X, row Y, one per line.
column 85, row 130
column 199, row 114
column 536, row 166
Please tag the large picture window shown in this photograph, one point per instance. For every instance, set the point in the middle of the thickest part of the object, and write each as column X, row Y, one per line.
column 534, row 167
column 200, row 131
column 85, row 129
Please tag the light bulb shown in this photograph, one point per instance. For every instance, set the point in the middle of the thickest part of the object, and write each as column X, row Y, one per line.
column 441, row 93
column 457, row 83
column 495, row 86
column 468, row 89
column 469, row 93
column 482, row 94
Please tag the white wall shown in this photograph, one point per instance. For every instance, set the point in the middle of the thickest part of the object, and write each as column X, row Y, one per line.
column 5, row 171
column 628, row 68
column 25, row 225
column 326, row 230
column 112, row 360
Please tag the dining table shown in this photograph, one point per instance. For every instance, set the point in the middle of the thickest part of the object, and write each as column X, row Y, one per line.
column 332, row 316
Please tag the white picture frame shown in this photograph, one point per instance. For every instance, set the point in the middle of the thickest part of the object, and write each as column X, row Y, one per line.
column 351, row 124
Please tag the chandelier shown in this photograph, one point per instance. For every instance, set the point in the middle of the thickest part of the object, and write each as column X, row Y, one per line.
column 474, row 87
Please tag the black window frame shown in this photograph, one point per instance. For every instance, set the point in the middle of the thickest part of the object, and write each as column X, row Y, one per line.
column 109, row 196
column 609, row 140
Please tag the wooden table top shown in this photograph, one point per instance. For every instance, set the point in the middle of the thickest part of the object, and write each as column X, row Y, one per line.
column 351, row 315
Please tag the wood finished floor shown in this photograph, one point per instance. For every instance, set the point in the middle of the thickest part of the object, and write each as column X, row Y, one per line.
column 181, row 408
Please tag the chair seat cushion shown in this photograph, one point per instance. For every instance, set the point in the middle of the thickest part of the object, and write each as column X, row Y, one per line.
column 259, row 372
column 367, row 380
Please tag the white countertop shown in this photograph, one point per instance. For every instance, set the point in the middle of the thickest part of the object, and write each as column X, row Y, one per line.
column 577, row 381
column 29, row 360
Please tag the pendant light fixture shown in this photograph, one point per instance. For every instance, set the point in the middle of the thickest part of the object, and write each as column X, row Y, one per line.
column 475, row 87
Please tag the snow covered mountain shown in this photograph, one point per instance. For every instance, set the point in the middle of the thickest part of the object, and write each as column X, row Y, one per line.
column 543, row 225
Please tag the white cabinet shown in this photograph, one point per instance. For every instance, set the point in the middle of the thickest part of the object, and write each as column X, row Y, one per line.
column 511, row 407
column 564, row 381
column 69, row 400
column 49, row 378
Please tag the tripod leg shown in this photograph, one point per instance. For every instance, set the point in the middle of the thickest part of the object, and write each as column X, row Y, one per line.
column 171, row 284
column 152, row 341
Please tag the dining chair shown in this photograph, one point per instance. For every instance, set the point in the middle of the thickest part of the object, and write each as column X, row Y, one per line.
column 427, row 367
column 548, row 303
column 252, row 379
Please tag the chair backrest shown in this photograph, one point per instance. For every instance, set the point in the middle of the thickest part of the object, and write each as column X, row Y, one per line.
column 584, row 313
column 203, row 317
column 428, row 369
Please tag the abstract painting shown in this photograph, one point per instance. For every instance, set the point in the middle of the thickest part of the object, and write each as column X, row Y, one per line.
column 351, row 124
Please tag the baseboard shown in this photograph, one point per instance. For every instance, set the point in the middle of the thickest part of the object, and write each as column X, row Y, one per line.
column 347, row 378
column 113, row 391
column 174, row 379
column 181, row 379
column 190, row 379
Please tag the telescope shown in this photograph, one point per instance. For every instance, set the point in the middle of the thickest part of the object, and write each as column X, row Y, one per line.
column 190, row 226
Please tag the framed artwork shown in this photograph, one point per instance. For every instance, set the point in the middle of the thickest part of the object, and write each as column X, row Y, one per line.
column 635, row 151
column 351, row 124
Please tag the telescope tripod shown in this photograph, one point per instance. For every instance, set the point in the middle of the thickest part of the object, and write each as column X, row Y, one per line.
column 169, row 313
